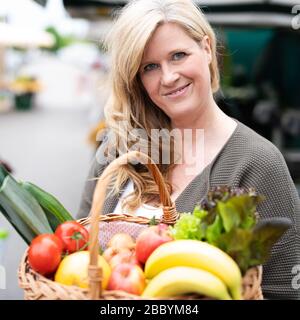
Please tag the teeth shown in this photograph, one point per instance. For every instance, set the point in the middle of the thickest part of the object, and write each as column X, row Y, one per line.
column 177, row 91
column 173, row 93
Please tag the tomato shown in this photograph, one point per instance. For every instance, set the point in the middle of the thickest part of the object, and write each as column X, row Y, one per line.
column 74, row 236
column 44, row 253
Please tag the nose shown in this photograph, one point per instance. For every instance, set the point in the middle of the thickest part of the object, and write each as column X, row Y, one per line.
column 168, row 76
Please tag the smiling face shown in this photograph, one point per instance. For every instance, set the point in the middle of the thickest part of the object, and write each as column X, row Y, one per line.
column 175, row 72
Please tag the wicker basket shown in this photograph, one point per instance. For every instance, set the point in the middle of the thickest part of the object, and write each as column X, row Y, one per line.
column 38, row 287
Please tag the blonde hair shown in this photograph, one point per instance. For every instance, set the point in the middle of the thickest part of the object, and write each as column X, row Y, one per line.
column 129, row 107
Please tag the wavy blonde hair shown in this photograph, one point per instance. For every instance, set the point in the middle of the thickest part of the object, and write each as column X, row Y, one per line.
column 129, row 106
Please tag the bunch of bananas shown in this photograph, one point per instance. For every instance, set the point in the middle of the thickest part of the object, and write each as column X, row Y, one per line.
column 192, row 266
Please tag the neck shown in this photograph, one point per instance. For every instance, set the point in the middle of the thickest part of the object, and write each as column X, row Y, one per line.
column 216, row 127
column 208, row 118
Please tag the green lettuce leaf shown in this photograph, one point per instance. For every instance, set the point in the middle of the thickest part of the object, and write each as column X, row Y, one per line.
column 188, row 227
column 227, row 218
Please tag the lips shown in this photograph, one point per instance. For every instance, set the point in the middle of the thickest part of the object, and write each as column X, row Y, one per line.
column 176, row 91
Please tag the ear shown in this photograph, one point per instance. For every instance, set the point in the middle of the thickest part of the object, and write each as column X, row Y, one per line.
column 206, row 46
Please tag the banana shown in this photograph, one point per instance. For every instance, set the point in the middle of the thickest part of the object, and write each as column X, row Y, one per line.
column 196, row 254
column 181, row 280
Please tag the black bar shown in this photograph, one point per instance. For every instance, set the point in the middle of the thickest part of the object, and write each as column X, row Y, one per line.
column 229, row 8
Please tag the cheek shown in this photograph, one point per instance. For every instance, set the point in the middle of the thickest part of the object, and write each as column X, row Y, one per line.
column 151, row 85
column 201, row 78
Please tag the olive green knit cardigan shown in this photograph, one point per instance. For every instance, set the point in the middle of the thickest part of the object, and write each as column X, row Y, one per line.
column 246, row 160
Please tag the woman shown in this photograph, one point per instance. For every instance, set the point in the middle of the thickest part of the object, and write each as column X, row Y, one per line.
column 163, row 76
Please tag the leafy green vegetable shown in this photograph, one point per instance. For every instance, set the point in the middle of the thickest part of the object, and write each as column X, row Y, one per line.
column 214, row 231
column 22, row 210
column 188, row 227
column 227, row 218
column 237, row 244
column 55, row 212
column 29, row 209
column 200, row 213
column 266, row 233
column 3, row 174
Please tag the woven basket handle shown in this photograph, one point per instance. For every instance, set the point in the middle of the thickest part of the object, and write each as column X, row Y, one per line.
column 169, row 211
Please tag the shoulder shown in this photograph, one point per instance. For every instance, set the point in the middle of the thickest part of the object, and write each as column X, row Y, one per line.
column 248, row 159
column 104, row 153
column 254, row 149
column 260, row 164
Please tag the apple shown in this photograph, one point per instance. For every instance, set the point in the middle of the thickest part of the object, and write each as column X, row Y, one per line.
column 127, row 277
column 121, row 241
column 110, row 252
column 124, row 256
column 151, row 238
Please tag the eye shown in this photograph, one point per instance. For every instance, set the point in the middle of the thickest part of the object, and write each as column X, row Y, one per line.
column 178, row 55
column 150, row 67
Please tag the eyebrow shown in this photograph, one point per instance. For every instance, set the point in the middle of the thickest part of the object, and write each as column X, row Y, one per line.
column 169, row 54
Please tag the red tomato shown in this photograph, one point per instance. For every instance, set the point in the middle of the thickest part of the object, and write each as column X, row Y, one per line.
column 44, row 253
column 74, row 236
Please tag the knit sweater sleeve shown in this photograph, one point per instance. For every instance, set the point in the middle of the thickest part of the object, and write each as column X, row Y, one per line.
column 97, row 167
column 267, row 171
column 86, row 197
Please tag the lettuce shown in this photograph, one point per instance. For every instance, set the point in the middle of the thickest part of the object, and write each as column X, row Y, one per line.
column 227, row 218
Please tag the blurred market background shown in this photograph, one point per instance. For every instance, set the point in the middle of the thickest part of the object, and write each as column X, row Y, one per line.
column 53, row 71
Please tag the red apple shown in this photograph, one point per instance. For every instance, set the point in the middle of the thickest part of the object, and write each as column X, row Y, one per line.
column 151, row 238
column 127, row 277
column 124, row 256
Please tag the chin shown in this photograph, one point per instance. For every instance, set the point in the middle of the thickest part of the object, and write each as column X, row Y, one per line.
column 183, row 114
